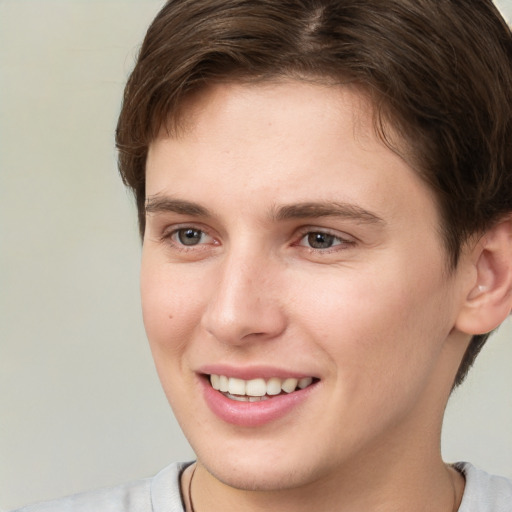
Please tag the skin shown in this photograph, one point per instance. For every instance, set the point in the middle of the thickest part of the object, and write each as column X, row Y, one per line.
column 374, row 316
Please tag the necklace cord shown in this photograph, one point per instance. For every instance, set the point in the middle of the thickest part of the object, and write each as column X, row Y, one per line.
column 190, row 489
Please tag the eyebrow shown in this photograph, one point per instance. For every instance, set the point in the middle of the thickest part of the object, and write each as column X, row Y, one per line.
column 325, row 209
column 162, row 204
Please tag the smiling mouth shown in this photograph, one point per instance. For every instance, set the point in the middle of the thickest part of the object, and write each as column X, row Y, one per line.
column 257, row 390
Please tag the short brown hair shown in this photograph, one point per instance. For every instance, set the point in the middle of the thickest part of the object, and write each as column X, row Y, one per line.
column 439, row 73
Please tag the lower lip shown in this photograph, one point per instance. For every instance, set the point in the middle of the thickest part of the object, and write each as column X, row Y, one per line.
column 253, row 414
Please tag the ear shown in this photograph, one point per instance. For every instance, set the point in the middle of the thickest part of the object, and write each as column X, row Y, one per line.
column 488, row 296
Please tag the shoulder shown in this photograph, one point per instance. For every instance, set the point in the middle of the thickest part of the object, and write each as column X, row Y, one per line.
column 157, row 494
column 484, row 492
column 134, row 496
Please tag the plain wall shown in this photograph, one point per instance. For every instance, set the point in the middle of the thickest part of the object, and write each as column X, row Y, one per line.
column 80, row 403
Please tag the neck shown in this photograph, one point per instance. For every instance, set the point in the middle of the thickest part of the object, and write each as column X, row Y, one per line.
column 395, row 488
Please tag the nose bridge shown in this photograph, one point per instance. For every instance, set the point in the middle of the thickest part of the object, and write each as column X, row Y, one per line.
column 244, row 301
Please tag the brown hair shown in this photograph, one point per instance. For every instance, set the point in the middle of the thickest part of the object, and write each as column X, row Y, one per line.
column 439, row 73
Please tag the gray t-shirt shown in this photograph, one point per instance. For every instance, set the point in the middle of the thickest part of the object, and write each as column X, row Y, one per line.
column 483, row 493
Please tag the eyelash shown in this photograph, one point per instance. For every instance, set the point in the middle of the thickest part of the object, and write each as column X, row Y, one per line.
column 340, row 243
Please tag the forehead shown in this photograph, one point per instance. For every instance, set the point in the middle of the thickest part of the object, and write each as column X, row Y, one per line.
column 276, row 120
column 312, row 104
column 226, row 98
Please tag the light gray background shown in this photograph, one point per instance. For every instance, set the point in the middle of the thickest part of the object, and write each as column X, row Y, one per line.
column 80, row 404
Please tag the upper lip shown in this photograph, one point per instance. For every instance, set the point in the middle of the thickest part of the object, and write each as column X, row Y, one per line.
column 252, row 372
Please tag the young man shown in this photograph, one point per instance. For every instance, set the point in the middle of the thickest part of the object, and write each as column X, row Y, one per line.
column 325, row 197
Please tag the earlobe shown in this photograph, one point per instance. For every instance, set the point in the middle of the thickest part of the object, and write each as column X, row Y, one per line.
column 489, row 299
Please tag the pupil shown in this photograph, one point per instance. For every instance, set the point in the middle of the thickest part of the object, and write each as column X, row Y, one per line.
column 189, row 236
column 320, row 240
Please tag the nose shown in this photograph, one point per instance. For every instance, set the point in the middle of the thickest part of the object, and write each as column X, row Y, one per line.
column 245, row 304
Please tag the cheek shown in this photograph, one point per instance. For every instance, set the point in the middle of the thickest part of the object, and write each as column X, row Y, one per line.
column 171, row 314
column 170, row 308
column 377, row 328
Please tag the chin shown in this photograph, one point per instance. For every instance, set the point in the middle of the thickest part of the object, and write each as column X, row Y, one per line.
column 258, row 479
column 255, row 472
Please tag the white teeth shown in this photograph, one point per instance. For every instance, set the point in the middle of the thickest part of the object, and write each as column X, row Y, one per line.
column 257, row 398
column 289, row 385
column 305, row 382
column 273, row 386
column 238, row 398
column 257, row 389
column 236, row 386
column 223, row 383
column 215, row 381
column 245, row 398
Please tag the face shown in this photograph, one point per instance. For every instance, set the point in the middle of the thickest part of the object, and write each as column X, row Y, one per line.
column 298, row 260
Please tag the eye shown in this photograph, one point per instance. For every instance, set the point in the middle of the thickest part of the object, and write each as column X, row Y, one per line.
column 189, row 236
column 321, row 240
